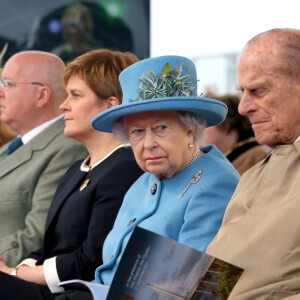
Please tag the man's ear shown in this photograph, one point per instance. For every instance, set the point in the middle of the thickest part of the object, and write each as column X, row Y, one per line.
column 112, row 101
column 43, row 96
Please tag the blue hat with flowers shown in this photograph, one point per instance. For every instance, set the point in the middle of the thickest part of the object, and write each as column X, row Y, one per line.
column 160, row 83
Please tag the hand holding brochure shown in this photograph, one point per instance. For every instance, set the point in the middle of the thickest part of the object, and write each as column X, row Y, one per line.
column 154, row 267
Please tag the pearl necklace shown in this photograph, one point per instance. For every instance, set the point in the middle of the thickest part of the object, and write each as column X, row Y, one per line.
column 195, row 156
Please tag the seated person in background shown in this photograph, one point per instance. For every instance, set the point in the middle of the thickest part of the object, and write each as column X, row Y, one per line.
column 235, row 137
column 6, row 134
column 185, row 190
column 89, row 196
column 31, row 92
column 77, row 32
column 261, row 227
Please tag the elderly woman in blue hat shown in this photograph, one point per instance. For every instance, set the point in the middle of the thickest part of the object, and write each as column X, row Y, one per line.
column 185, row 189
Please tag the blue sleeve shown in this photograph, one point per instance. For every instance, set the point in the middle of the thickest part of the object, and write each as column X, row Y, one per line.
column 206, row 208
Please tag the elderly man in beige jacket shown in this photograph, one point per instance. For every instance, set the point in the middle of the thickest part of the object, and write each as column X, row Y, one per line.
column 261, row 227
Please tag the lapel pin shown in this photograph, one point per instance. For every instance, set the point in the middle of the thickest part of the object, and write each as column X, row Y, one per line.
column 194, row 179
column 84, row 185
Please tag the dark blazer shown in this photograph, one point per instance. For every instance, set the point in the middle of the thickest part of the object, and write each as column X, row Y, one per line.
column 78, row 221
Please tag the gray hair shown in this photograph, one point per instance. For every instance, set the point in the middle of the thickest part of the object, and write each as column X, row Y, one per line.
column 190, row 121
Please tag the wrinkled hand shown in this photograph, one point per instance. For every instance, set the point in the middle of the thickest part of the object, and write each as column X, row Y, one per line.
column 3, row 267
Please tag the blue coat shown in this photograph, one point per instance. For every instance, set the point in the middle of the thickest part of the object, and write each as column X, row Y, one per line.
column 153, row 204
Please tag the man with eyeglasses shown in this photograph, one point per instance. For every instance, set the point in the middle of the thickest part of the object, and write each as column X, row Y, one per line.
column 31, row 166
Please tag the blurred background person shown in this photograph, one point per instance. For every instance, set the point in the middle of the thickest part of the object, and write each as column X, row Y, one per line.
column 77, row 32
column 235, row 137
column 89, row 196
column 6, row 134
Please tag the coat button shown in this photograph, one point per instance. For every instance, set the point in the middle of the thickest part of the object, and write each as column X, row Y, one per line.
column 153, row 189
column 131, row 221
column 14, row 244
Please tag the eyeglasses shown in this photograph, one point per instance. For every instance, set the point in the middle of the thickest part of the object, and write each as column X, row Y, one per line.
column 5, row 84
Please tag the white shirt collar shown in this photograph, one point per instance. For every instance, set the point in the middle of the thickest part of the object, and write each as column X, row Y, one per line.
column 35, row 131
column 86, row 169
column 297, row 139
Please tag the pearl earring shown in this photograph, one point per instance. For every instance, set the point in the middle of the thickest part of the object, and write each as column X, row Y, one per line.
column 191, row 146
